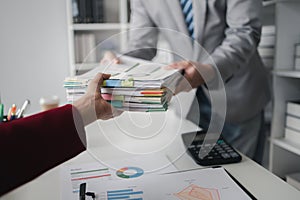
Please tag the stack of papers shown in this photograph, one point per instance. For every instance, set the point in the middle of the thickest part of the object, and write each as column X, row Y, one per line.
column 130, row 180
column 144, row 87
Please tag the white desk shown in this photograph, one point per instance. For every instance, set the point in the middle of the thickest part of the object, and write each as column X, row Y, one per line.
column 260, row 182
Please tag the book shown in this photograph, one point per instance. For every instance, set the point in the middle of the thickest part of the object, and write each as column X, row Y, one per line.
column 73, row 95
column 134, row 92
column 266, row 52
column 293, row 108
column 77, row 48
column 292, row 135
column 75, row 11
column 85, row 44
column 267, row 41
column 131, row 105
column 297, row 50
column 142, row 87
column 98, row 11
column 89, row 11
column 135, row 99
column 293, row 122
column 294, row 180
column 89, row 41
column 297, row 63
column 147, row 75
column 268, row 30
column 82, row 11
column 149, row 99
column 266, row 46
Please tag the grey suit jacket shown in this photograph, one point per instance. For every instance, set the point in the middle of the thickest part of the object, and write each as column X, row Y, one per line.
column 229, row 30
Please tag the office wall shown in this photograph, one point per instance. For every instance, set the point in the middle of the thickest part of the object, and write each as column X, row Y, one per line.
column 33, row 50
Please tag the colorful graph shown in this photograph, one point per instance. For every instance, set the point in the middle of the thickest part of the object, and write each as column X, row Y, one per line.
column 194, row 192
column 130, row 172
column 79, row 176
column 124, row 194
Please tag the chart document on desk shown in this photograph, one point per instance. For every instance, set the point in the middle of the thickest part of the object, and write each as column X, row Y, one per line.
column 132, row 183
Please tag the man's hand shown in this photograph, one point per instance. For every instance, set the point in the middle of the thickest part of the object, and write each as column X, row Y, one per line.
column 92, row 106
column 193, row 74
column 110, row 57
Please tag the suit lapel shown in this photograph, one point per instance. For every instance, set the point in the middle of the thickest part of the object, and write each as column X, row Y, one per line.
column 200, row 8
column 176, row 11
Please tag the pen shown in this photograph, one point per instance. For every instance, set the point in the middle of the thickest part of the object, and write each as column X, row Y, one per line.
column 82, row 191
column 23, row 108
column 12, row 112
column 8, row 114
column 1, row 110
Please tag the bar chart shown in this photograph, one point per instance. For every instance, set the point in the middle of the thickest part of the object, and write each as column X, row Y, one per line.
column 128, row 194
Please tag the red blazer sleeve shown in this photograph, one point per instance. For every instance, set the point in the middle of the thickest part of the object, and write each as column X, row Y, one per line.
column 35, row 144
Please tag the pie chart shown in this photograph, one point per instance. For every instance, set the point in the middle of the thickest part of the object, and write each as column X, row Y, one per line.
column 130, row 172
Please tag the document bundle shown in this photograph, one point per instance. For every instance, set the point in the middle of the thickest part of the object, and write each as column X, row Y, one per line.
column 144, row 87
column 132, row 181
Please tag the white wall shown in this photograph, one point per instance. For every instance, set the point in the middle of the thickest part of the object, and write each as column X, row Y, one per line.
column 33, row 50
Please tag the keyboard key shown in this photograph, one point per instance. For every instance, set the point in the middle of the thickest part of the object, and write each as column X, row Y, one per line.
column 234, row 155
column 225, row 155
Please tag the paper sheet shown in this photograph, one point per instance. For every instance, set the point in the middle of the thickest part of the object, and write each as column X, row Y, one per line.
column 97, row 175
column 203, row 184
column 138, row 69
column 131, row 182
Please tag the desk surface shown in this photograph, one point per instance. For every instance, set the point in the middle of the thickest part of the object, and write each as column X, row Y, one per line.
column 260, row 182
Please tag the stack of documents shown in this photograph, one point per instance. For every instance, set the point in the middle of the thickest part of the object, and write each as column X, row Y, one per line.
column 266, row 48
column 297, row 56
column 292, row 126
column 144, row 87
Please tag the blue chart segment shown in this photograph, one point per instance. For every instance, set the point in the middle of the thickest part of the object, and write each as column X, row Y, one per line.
column 130, row 172
column 128, row 194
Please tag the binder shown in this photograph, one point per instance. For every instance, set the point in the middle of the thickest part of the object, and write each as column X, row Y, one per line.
column 82, row 11
column 98, row 11
column 88, row 12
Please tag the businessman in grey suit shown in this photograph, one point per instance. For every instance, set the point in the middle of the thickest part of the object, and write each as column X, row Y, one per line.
column 229, row 30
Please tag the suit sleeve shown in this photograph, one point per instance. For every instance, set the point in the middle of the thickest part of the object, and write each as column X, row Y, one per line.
column 242, row 36
column 35, row 144
column 143, row 33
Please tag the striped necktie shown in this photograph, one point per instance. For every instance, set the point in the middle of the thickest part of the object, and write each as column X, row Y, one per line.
column 187, row 9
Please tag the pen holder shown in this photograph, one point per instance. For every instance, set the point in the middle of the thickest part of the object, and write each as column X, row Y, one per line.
column 5, row 119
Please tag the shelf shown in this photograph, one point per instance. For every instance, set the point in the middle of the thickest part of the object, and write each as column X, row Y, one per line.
column 269, row 3
column 273, row 2
column 287, row 73
column 99, row 26
column 86, row 66
column 287, row 145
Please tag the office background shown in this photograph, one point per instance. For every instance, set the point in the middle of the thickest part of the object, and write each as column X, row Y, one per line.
column 33, row 50
column 35, row 59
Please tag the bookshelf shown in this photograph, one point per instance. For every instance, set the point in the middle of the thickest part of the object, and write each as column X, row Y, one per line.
column 284, row 155
column 269, row 3
column 99, row 27
column 115, row 22
column 287, row 73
